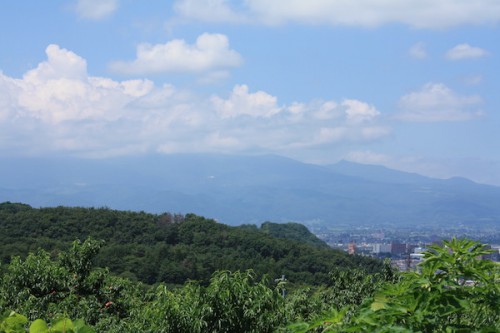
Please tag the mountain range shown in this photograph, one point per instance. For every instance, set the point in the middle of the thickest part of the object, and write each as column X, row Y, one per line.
column 250, row 189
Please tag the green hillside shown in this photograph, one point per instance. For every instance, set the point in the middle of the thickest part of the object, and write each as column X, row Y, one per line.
column 173, row 248
column 292, row 231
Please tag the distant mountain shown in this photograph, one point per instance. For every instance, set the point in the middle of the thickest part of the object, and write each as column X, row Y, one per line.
column 376, row 173
column 250, row 189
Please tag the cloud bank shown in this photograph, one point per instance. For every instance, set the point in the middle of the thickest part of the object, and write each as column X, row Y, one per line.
column 58, row 107
column 367, row 13
column 209, row 52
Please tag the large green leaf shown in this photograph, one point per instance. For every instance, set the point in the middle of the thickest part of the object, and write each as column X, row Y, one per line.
column 39, row 326
column 64, row 325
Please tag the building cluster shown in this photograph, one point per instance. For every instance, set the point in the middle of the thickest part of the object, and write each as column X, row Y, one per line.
column 403, row 256
column 403, row 245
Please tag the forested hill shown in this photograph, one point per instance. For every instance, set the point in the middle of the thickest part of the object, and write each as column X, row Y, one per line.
column 173, row 248
column 294, row 231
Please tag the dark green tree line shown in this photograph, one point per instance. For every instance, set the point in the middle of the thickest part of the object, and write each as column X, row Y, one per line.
column 172, row 248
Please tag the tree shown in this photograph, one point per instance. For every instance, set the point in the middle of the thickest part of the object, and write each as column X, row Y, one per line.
column 232, row 302
column 42, row 288
column 454, row 290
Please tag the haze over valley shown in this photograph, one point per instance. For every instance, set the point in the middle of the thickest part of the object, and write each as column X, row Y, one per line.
column 252, row 189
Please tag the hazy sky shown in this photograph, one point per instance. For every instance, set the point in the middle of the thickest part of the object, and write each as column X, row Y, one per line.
column 410, row 84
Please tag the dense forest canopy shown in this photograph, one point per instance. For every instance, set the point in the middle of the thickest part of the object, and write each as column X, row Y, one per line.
column 173, row 248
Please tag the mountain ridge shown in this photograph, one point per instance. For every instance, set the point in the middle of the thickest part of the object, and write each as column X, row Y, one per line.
column 250, row 189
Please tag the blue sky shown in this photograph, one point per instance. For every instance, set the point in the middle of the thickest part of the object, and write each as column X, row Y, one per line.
column 413, row 85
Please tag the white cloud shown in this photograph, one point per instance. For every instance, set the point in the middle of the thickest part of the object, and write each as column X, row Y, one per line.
column 359, row 112
column 60, row 64
column 59, row 107
column 210, row 52
column 207, row 10
column 8, row 93
column 60, row 89
column 436, row 102
column 241, row 102
column 326, row 110
column 330, row 134
column 465, row 51
column 415, row 13
column 96, row 9
column 299, row 125
column 418, row 51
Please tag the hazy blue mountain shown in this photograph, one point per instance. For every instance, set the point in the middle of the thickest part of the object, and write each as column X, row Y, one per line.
column 376, row 173
column 250, row 189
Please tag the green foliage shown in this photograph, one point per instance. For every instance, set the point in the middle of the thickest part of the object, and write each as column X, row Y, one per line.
column 292, row 231
column 237, row 303
column 170, row 248
column 48, row 287
column 453, row 291
column 11, row 322
column 63, row 325
column 232, row 302
column 336, row 302
column 41, row 287
column 15, row 323
column 33, row 284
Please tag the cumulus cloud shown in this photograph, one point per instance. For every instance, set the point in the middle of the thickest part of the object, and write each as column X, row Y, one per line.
column 58, row 107
column 415, row 13
column 209, row 52
column 96, row 9
column 60, row 89
column 436, row 102
column 259, row 118
column 359, row 112
column 8, row 93
column 465, row 51
column 241, row 102
column 418, row 51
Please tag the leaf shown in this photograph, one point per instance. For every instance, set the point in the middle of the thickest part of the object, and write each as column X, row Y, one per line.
column 64, row 325
column 378, row 306
column 80, row 327
column 380, row 302
column 39, row 326
column 14, row 321
column 299, row 327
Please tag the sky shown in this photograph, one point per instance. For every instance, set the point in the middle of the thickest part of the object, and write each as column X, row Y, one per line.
column 413, row 85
